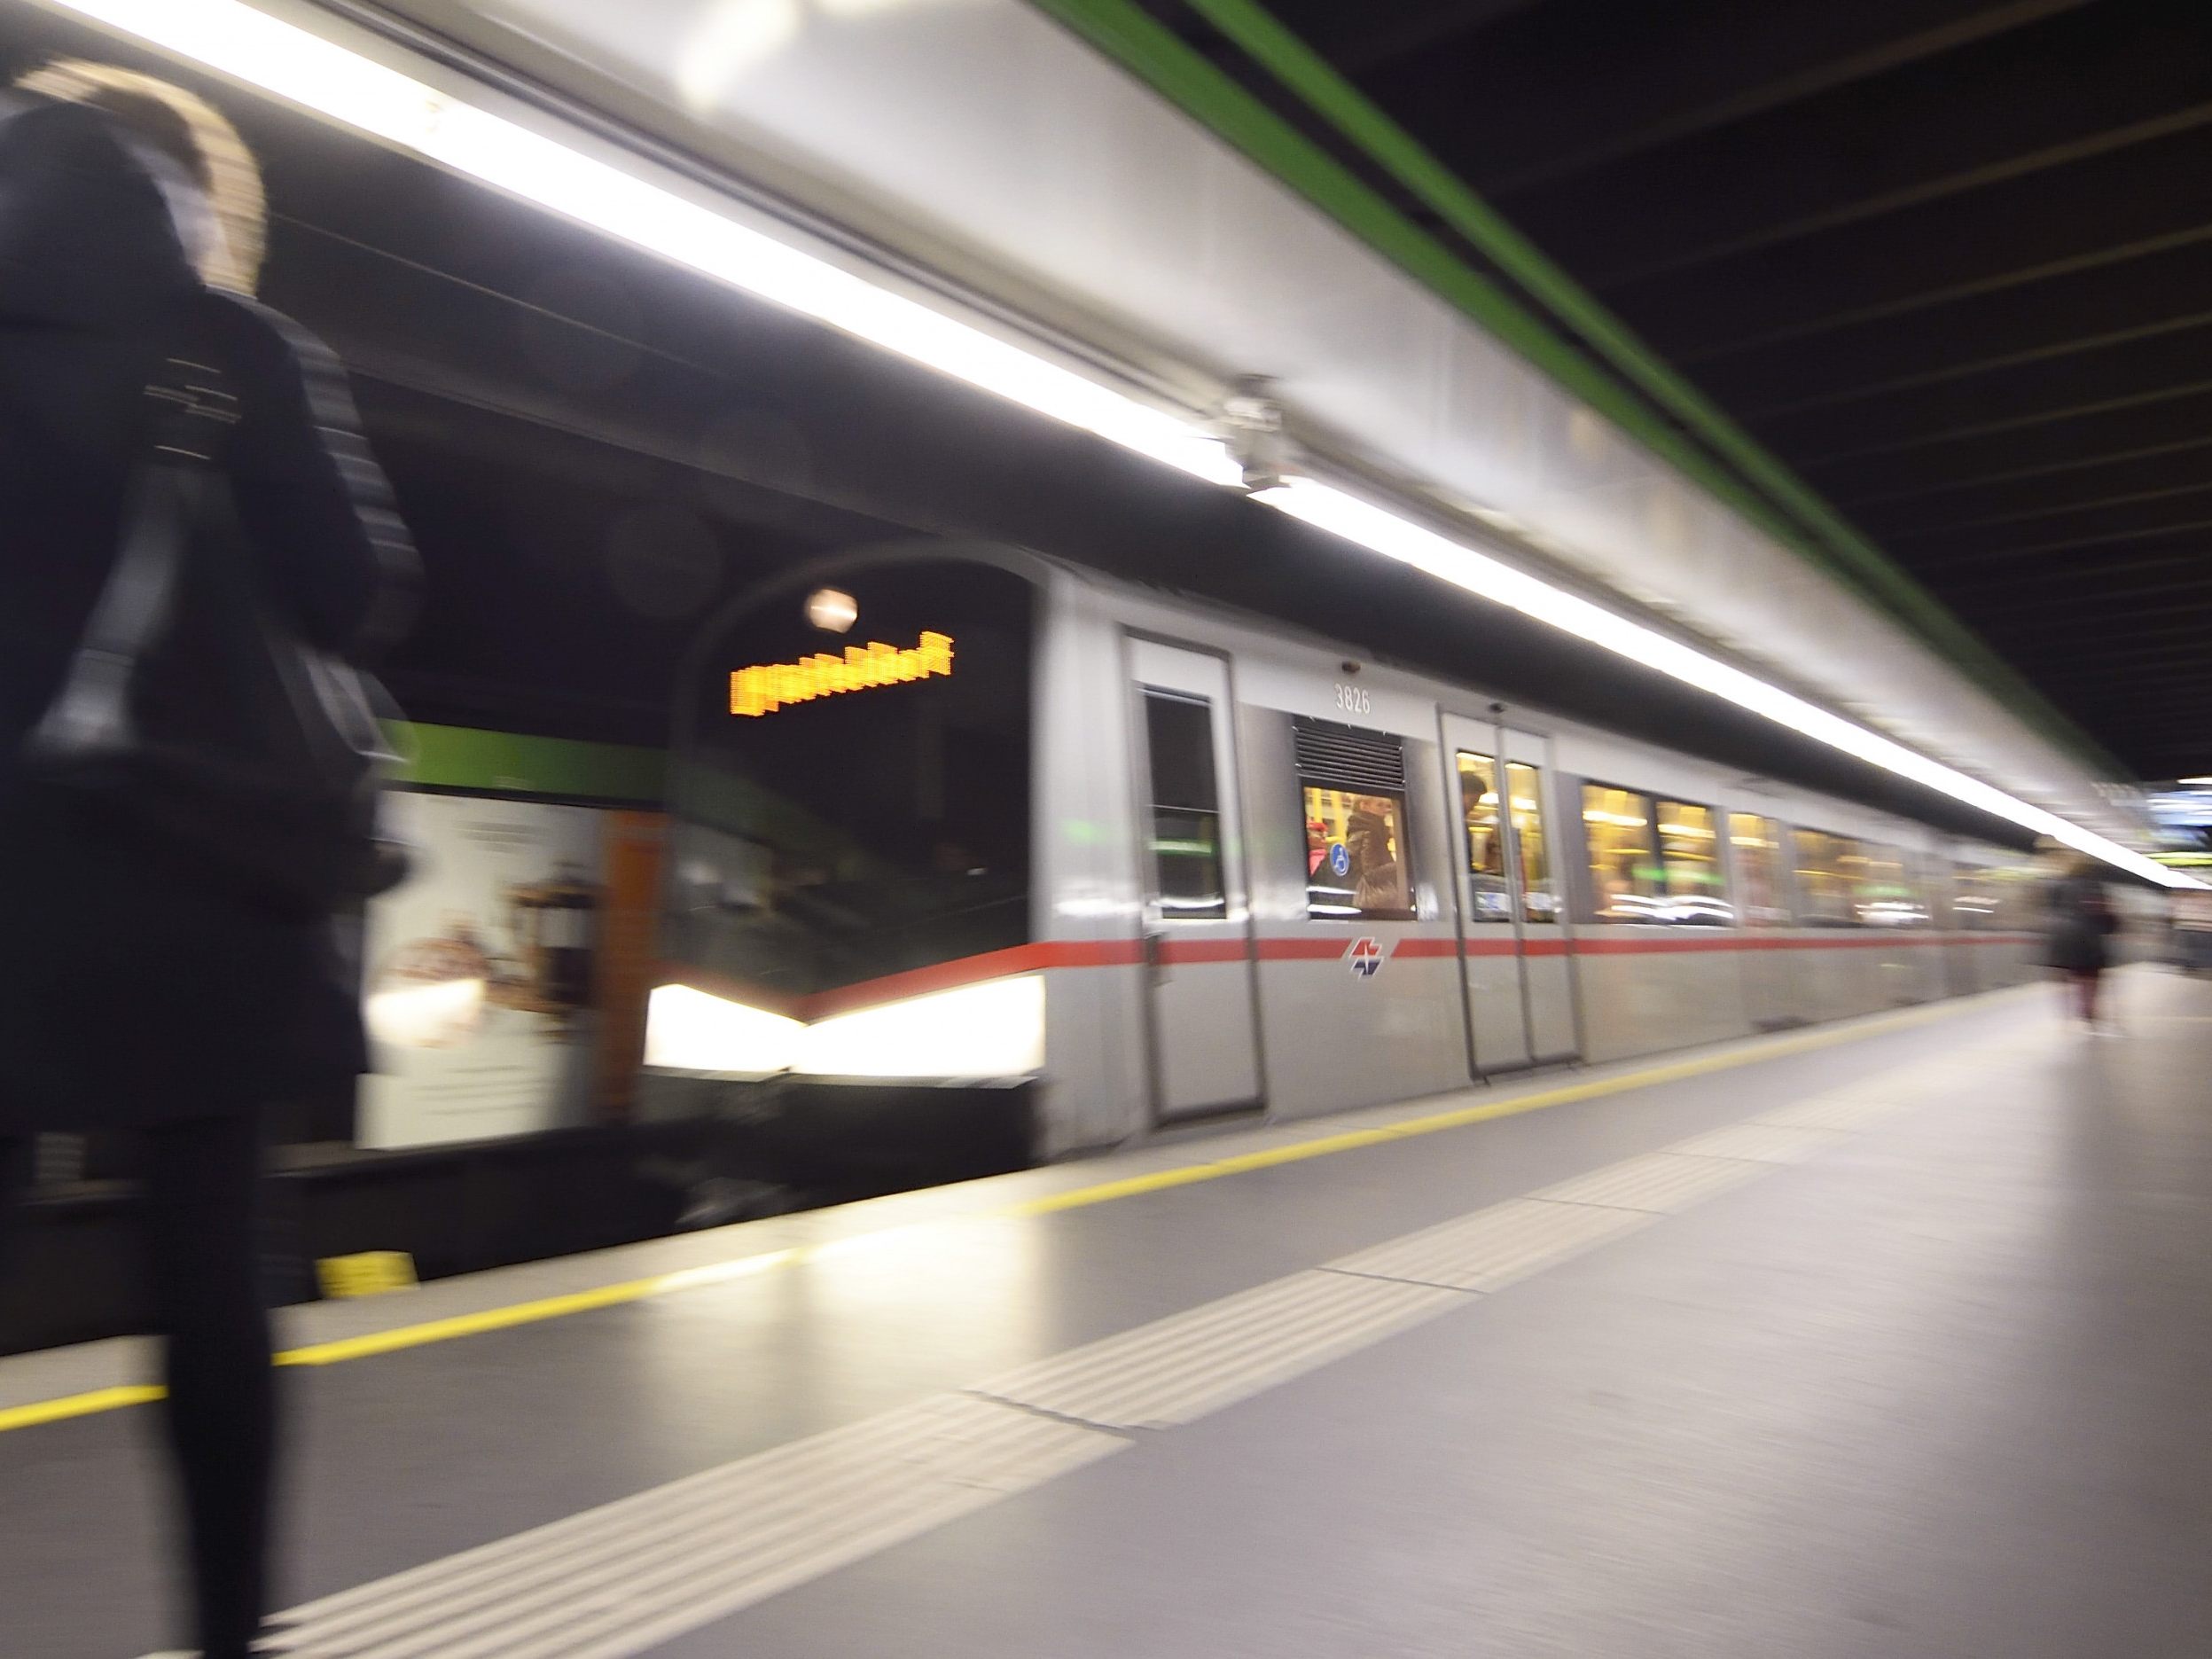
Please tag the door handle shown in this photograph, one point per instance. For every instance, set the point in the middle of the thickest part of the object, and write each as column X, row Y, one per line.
column 1153, row 946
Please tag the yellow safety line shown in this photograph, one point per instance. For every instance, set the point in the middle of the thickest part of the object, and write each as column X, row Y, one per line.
column 78, row 1405
column 544, row 1308
column 1459, row 1117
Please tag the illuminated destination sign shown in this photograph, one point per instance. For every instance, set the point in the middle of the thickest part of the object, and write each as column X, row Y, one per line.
column 768, row 687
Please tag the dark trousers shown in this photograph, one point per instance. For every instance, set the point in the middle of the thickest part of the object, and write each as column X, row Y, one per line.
column 2081, row 986
column 203, row 1245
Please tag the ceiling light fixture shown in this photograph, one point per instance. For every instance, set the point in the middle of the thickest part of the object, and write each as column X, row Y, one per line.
column 277, row 57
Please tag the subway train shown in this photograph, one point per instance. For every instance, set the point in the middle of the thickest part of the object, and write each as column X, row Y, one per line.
column 971, row 843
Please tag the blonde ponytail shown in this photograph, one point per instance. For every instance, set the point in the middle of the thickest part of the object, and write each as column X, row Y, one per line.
column 193, row 133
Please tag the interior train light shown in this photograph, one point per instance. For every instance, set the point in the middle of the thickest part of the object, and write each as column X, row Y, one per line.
column 235, row 39
column 768, row 687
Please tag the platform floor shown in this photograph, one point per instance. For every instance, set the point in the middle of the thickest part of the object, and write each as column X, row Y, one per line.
column 1893, row 1341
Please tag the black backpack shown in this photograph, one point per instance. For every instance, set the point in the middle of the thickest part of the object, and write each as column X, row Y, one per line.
column 191, row 713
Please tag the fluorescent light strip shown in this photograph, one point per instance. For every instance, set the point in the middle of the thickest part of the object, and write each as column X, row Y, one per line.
column 236, row 40
column 251, row 46
column 1384, row 532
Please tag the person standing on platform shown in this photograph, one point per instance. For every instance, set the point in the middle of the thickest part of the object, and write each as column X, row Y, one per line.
column 136, row 993
column 2079, row 924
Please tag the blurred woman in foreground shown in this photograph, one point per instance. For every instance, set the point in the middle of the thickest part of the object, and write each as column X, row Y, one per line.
column 135, row 993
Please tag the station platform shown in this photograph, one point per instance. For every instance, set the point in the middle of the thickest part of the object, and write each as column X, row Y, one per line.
column 1887, row 1339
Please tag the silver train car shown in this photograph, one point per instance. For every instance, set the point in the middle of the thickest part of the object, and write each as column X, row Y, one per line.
column 974, row 847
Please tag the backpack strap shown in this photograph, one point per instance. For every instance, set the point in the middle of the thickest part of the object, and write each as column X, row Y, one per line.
column 191, row 413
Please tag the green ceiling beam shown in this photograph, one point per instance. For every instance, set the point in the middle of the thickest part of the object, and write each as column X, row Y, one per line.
column 1782, row 505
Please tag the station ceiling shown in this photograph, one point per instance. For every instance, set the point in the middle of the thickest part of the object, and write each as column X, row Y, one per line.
column 553, row 408
column 1950, row 261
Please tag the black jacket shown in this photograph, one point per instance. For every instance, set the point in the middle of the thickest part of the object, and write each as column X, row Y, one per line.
column 130, row 992
column 2079, row 920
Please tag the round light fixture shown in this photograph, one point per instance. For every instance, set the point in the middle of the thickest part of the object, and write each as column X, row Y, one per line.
column 831, row 611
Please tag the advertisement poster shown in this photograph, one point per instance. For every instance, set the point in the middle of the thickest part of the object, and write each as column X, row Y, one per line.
column 482, row 974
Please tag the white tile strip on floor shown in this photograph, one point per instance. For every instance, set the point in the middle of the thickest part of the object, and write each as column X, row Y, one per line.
column 1180, row 1368
column 615, row 1581
column 1846, row 1116
column 1663, row 1183
column 1494, row 1247
column 618, row 1579
column 1759, row 1143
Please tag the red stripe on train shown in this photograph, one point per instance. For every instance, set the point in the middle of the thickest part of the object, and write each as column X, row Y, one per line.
column 1081, row 953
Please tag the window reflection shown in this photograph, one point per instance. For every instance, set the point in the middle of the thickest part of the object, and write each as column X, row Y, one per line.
column 1490, row 899
column 1757, row 844
column 845, row 838
column 1356, row 862
column 1977, row 898
column 1695, row 884
column 1654, row 862
column 1539, row 901
column 1885, row 895
column 1185, row 807
column 1826, row 868
column 1624, row 869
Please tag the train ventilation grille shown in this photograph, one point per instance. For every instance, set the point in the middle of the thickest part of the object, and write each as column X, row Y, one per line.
column 1347, row 757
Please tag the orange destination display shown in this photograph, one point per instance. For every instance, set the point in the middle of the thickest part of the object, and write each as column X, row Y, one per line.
column 765, row 688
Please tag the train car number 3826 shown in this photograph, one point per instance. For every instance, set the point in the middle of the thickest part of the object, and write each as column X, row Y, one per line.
column 1353, row 699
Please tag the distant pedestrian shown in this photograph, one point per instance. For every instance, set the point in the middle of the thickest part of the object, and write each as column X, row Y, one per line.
column 138, row 992
column 2079, row 923
column 2192, row 930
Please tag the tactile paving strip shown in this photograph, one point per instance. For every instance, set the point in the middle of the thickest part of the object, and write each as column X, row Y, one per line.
column 1659, row 1182
column 1843, row 1117
column 617, row 1580
column 1493, row 1248
column 1759, row 1143
column 1182, row 1367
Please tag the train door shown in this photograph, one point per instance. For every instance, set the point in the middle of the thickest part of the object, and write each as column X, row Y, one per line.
column 1756, row 852
column 1519, row 981
column 1547, row 970
column 1957, row 895
column 1201, row 998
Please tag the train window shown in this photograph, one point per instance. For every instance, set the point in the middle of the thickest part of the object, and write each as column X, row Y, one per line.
column 1185, row 805
column 1884, row 893
column 1625, row 874
column 1827, row 867
column 1358, row 865
column 1492, row 899
column 1356, row 862
column 869, row 829
column 1486, row 851
column 1690, row 858
column 1539, row 900
column 1757, row 844
column 1977, row 896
